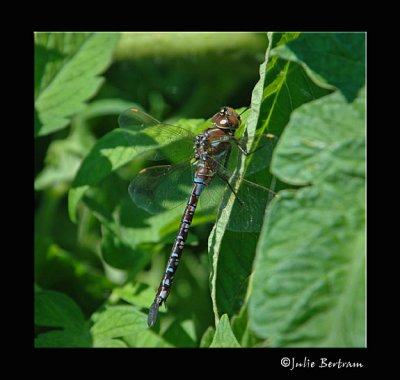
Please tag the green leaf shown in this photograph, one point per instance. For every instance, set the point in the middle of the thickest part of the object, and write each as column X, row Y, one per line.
column 110, row 343
column 309, row 280
column 121, row 253
column 181, row 334
column 110, row 152
column 144, row 339
column 245, row 336
column 283, row 86
column 138, row 294
column 53, row 309
column 330, row 58
column 57, row 309
column 326, row 137
column 87, row 283
column 63, row 159
column 67, row 68
column 224, row 336
column 283, row 38
column 207, row 337
column 117, row 321
column 65, row 156
column 123, row 323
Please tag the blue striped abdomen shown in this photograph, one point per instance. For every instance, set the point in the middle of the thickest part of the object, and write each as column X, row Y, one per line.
column 173, row 261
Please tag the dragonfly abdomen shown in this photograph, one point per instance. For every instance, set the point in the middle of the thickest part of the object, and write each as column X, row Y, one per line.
column 211, row 150
column 173, row 261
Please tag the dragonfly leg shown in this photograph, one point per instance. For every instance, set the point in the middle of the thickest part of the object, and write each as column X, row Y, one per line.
column 225, row 165
column 233, row 191
column 244, row 150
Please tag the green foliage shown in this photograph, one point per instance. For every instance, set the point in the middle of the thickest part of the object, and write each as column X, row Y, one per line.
column 224, row 336
column 53, row 309
column 299, row 282
column 207, row 337
column 309, row 281
column 336, row 59
column 67, row 66
column 283, row 86
column 115, row 324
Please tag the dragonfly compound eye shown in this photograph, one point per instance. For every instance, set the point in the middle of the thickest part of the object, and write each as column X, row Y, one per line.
column 226, row 118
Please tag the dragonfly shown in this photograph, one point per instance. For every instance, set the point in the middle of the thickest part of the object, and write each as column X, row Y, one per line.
column 198, row 163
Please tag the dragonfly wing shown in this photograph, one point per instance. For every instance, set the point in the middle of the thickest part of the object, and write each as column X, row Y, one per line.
column 160, row 188
column 135, row 120
column 259, row 149
column 262, row 145
column 211, row 197
column 250, row 200
column 260, row 153
column 160, row 140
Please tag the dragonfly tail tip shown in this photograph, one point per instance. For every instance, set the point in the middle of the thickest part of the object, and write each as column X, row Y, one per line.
column 153, row 313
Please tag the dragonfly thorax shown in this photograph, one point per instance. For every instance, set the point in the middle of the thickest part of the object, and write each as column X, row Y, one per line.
column 226, row 119
column 213, row 142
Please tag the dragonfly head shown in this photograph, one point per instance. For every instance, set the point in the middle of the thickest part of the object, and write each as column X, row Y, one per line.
column 227, row 118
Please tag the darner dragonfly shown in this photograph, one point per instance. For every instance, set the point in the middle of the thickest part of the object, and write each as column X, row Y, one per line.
column 159, row 188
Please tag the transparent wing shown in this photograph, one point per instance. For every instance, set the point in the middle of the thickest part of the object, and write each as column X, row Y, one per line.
column 160, row 188
column 164, row 187
column 250, row 199
column 165, row 141
column 259, row 152
column 258, row 149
